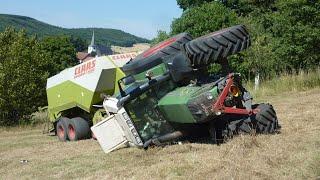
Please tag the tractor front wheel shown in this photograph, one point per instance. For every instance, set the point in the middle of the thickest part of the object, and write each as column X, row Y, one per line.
column 266, row 119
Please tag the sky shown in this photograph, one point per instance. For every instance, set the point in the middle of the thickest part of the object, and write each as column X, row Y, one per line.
column 139, row 17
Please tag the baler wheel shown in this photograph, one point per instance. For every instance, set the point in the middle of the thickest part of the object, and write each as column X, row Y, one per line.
column 215, row 47
column 62, row 129
column 93, row 136
column 78, row 129
column 267, row 121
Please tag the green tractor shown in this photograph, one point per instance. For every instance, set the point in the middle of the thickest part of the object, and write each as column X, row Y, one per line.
column 168, row 94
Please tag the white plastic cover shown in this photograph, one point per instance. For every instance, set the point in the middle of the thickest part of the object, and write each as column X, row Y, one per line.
column 109, row 134
column 116, row 131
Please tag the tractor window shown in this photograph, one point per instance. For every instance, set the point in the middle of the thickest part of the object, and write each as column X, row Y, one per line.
column 147, row 118
column 163, row 88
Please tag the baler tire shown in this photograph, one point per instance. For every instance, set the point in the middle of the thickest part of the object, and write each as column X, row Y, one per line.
column 267, row 121
column 78, row 129
column 217, row 46
column 62, row 129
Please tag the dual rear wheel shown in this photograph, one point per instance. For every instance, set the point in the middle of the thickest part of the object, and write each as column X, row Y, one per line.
column 72, row 129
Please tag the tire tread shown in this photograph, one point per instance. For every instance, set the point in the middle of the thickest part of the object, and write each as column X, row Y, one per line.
column 215, row 46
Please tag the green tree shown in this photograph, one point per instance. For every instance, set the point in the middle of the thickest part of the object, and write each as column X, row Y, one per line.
column 284, row 37
column 79, row 44
column 23, row 76
column 242, row 7
column 186, row 4
column 25, row 65
column 60, row 52
column 161, row 36
column 284, row 33
column 296, row 28
column 204, row 19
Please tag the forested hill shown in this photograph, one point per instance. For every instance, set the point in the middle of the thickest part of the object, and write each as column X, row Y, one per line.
column 103, row 36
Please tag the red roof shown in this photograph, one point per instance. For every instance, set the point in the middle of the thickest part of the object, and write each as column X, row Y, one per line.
column 83, row 56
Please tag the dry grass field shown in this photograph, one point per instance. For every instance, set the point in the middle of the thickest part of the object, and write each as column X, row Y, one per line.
column 135, row 48
column 293, row 154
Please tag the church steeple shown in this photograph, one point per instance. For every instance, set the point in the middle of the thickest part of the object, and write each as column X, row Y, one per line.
column 92, row 39
column 92, row 48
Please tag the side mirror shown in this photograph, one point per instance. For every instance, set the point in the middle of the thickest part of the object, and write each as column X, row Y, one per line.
column 128, row 80
column 125, row 81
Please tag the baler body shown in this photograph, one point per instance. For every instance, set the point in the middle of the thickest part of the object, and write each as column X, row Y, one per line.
column 80, row 86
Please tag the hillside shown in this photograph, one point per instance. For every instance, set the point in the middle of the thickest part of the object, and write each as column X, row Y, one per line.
column 103, row 36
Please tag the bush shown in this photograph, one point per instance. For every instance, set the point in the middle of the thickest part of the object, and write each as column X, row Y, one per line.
column 39, row 117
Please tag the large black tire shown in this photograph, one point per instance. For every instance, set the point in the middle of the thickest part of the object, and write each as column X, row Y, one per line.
column 214, row 47
column 78, row 129
column 153, row 55
column 62, row 129
column 267, row 121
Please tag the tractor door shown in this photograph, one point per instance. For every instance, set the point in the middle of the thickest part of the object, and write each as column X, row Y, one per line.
column 145, row 113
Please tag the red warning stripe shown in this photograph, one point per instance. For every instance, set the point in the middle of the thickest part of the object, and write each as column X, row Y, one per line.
column 158, row 47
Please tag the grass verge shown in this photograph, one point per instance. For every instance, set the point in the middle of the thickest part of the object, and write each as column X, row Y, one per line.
column 286, row 83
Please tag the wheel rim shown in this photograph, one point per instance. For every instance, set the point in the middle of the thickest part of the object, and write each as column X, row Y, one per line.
column 93, row 136
column 71, row 132
column 60, row 132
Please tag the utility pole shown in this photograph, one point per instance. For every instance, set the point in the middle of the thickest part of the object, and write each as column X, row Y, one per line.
column 256, row 80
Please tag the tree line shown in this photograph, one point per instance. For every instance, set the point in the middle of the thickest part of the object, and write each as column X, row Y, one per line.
column 285, row 33
column 25, row 64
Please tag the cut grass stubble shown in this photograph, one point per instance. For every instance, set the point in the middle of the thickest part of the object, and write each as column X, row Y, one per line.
column 292, row 154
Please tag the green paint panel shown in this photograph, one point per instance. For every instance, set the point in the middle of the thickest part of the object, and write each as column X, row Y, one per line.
column 175, row 104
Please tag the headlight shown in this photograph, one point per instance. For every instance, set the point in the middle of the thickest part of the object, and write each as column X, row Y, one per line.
column 234, row 90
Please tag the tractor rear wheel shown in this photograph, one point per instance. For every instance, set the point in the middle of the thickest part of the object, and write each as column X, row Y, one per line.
column 154, row 55
column 78, row 129
column 267, row 121
column 215, row 47
column 62, row 129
